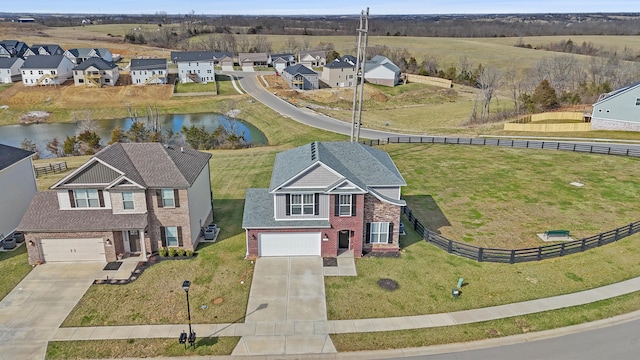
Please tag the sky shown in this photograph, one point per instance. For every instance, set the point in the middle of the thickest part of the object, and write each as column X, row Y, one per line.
column 318, row 7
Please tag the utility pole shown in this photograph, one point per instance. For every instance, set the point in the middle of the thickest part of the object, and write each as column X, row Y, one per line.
column 358, row 87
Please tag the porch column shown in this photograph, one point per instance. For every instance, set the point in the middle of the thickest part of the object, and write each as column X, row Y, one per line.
column 143, row 246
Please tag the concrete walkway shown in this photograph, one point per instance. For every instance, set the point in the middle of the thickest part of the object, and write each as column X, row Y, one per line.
column 35, row 308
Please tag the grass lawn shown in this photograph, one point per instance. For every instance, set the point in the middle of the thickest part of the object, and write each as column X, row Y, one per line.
column 138, row 348
column 14, row 266
column 225, row 87
column 196, row 87
column 488, row 329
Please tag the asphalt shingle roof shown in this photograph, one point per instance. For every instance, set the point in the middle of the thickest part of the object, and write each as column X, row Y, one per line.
column 299, row 69
column 45, row 215
column 43, row 62
column 181, row 56
column 98, row 63
column 10, row 155
column 6, row 63
column 361, row 164
column 258, row 213
column 148, row 64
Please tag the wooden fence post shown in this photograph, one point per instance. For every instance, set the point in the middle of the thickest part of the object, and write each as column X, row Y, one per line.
column 562, row 249
column 512, row 258
column 539, row 253
column 480, row 253
column 600, row 240
column 450, row 247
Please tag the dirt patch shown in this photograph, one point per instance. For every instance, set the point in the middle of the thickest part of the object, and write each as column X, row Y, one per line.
column 388, row 284
column 218, row 300
column 34, row 117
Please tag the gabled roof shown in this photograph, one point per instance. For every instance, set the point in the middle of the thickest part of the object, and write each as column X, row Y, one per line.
column 6, row 63
column 151, row 165
column 362, row 165
column 314, row 54
column 285, row 56
column 50, row 49
column 148, row 64
column 380, row 60
column 44, row 61
column 181, row 56
column 98, row 63
column 10, row 155
column 253, row 57
column 608, row 96
column 86, row 52
column 346, row 61
column 14, row 47
column 299, row 69
column 258, row 213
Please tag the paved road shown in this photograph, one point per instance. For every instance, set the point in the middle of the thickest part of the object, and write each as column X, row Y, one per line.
column 250, row 82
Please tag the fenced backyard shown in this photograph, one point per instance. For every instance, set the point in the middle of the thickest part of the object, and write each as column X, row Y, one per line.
column 50, row 168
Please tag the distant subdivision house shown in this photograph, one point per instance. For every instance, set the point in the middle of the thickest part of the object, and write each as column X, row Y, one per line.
column 46, row 70
column 95, row 72
column 340, row 72
column 381, row 71
column 44, row 50
column 148, row 71
column 10, row 69
column 195, row 66
column 312, row 59
column 618, row 110
column 12, row 48
column 300, row 77
column 253, row 59
column 78, row 55
column 281, row 61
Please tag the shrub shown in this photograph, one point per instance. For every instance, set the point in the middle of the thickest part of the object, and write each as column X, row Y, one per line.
column 189, row 253
column 172, row 252
column 181, row 252
column 163, row 251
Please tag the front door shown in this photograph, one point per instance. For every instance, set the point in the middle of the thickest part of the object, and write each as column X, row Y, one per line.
column 134, row 241
column 343, row 239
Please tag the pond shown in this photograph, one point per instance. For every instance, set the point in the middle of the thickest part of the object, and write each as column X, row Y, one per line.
column 41, row 134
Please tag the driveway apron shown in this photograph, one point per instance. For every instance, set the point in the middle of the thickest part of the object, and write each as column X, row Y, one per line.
column 35, row 308
column 287, row 308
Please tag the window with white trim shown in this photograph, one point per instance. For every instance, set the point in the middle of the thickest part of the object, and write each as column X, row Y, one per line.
column 345, row 205
column 302, row 204
column 127, row 200
column 86, row 198
column 168, row 199
column 379, row 232
column 171, row 235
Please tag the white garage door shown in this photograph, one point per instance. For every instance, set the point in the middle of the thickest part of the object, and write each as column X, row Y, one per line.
column 73, row 250
column 289, row 244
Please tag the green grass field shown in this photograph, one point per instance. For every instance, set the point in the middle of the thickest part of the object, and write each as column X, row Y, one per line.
column 196, row 88
column 14, row 266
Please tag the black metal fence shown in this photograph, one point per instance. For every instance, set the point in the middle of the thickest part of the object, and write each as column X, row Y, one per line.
column 513, row 256
column 50, row 168
column 525, row 144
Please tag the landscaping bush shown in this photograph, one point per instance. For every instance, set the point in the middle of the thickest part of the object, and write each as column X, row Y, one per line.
column 189, row 253
column 172, row 252
column 163, row 252
column 181, row 252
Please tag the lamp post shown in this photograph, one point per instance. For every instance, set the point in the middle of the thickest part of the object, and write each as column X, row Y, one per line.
column 192, row 335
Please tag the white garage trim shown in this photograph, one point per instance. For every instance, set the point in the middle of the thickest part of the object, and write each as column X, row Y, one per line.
column 289, row 244
column 86, row 249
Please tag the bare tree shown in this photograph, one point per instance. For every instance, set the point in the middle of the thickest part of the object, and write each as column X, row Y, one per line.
column 489, row 80
column 261, row 44
column 291, row 45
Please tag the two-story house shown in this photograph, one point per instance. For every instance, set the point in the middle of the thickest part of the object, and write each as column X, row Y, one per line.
column 10, row 69
column 325, row 197
column 148, row 71
column 195, row 66
column 300, row 77
column 129, row 199
column 340, row 72
column 95, row 72
column 78, row 55
column 17, row 186
column 46, row 70
column 12, row 48
column 43, row 50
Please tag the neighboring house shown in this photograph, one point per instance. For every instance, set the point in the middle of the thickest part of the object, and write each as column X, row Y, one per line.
column 95, row 72
column 300, row 77
column 195, row 66
column 380, row 70
column 253, row 59
column 46, row 70
column 325, row 197
column 129, row 199
column 10, row 69
column 618, row 110
column 17, row 187
column 340, row 72
column 12, row 48
column 78, row 55
column 219, row 56
column 226, row 60
column 312, row 59
column 148, row 71
column 281, row 61
column 44, row 50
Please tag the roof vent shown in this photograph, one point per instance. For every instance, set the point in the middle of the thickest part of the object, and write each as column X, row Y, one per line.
column 313, row 151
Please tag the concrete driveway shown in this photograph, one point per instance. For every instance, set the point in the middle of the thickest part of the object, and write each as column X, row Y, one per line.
column 39, row 304
column 287, row 308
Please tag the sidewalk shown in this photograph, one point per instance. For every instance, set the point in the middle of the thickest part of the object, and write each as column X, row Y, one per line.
column 353, row 326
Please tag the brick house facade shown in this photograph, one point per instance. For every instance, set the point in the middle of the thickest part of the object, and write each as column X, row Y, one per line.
column 324, row 198
column 127, row 200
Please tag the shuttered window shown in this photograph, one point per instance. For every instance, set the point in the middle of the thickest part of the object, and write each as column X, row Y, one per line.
column 302, row 204
column 86, row 198
column 381, row 233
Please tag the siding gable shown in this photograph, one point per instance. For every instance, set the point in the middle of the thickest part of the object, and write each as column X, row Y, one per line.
column 96, row 173
column 316, row 177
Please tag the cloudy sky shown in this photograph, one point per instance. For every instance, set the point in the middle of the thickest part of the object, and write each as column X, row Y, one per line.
column 325, row 7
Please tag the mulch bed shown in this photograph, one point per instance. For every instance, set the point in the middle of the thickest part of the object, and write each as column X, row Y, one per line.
column 388, row 284
column 382, row 254
column 329, row 261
